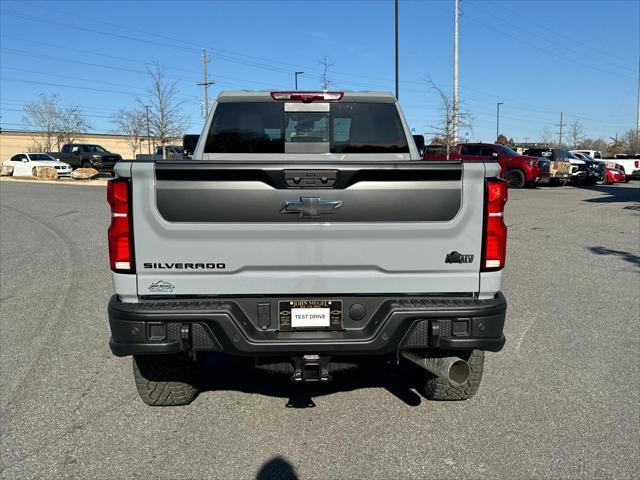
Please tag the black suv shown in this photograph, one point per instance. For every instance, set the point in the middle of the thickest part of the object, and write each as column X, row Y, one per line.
column 84, row 155
column 596, row 169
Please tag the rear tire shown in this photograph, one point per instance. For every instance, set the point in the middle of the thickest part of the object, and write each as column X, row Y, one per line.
column 436, row 388
column 515, row 178
column 85, row 165
column 166, row 380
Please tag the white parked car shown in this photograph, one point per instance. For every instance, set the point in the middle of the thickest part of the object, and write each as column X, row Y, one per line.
column 24, row 164
column 595, row 154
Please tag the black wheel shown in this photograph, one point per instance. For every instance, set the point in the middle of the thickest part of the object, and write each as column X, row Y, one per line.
column 166, row 380
column 34, row 172
column 515, row 178
column 85, row 165
column 436, row 388
column 563, row 182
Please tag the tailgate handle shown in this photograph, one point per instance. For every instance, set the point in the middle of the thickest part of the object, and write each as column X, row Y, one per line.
column 310, row 178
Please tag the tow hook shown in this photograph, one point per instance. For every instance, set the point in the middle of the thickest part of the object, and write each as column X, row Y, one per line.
column 311, row 368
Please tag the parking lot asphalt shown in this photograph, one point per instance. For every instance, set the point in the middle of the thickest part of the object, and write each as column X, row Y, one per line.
column 562, row 400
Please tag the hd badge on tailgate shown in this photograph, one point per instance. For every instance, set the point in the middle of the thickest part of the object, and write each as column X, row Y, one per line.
column 456, row 257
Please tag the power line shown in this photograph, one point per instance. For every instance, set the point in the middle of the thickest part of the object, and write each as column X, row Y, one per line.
column 256, row 64
column 522, row 18
column 547, row 51
column 129, row 37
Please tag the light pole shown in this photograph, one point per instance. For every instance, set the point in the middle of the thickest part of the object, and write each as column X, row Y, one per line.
column 456, row 98
column 397, row 88
column 498, row 120
column 296, row 75
column 147, row 107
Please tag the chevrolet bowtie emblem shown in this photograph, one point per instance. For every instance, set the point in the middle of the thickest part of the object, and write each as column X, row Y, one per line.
column 310, row 207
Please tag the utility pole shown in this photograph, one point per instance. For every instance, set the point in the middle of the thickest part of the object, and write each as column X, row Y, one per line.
column 205, row 83
column 562, row 124
column 147, row 107
column 455, row 72
column 296, row 75
column 498, row 120
column 397, row 87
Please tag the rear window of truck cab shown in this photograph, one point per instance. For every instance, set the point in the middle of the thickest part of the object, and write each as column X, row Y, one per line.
column 268, row 127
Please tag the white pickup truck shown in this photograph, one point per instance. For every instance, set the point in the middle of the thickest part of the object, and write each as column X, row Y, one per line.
column 307, row 234
column 629, row 164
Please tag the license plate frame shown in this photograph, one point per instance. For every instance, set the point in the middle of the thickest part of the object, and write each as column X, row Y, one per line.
column 285, row 308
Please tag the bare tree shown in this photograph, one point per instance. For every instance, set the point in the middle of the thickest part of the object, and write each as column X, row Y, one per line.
column 632, row 142
column 444, row 129
column 54, row 123
column 593, row 144
column 576, row 133
column 41, row 116
column 502, row 140
column 72, row 125
column 166, row 119
column 547, row 136
column 132, row 124
column 324, row 77
column 616, row 145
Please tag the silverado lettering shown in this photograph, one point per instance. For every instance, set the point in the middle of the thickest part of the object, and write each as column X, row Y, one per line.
column 183, row 266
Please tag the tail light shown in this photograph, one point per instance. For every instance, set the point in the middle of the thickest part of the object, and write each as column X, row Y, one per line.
column 636, row 163
column 307, row 97
column 120, row 230
column 494, row 248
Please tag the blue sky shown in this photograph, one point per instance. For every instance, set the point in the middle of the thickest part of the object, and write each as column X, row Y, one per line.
column 537, row 57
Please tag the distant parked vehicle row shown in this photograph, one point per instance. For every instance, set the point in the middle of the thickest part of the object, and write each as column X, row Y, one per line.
column 85, row 155
column 629, row 165
column 518, row 170
column 577, row 170
column 25, row 164
column 538, row 165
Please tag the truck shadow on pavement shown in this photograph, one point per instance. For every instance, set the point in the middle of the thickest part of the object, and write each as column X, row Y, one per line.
column 614, row 194
column 277, row 468
column 224, row 373
column 626, row 256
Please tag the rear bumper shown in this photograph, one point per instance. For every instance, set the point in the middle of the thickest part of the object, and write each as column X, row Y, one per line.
column 230, row 325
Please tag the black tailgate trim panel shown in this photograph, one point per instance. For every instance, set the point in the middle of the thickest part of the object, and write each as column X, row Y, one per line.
column 397, row 192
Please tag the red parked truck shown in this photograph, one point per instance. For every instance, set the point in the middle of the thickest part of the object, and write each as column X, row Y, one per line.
column 518, row 170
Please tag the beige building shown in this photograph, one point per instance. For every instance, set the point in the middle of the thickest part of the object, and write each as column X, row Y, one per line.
column 14, row 142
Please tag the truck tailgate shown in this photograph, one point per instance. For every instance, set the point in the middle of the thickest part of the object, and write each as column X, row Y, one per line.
column 243, row 228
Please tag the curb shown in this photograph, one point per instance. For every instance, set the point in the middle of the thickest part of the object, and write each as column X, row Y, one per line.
column 94, row 182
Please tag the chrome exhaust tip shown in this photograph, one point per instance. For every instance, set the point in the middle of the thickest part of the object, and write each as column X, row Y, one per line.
column 453, row 369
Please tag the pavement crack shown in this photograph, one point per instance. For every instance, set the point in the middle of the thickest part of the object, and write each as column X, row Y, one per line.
column 56, row 311
column 70, row 430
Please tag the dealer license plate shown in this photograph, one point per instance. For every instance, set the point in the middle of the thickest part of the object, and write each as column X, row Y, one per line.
column 310, row 315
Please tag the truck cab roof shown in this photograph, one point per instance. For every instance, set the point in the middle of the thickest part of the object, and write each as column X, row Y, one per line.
column 267, row 95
